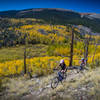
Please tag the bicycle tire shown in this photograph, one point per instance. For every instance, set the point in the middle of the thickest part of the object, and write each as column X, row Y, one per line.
column 54, row 82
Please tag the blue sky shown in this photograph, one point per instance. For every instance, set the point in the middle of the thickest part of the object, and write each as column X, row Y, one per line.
column 76, row 5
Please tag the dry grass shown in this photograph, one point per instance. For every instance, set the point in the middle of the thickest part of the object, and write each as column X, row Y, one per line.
column 75, row 85
column 88, row 83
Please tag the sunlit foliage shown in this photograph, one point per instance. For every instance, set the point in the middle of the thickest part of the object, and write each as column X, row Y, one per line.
column 38, row 65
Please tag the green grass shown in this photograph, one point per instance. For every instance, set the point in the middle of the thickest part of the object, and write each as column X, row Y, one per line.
column 14, row 53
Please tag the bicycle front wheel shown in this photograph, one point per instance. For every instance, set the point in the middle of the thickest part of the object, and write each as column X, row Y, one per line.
column 54, row 82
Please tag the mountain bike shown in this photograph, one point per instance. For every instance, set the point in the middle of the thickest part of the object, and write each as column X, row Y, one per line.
column 56, row 80
column 78, row 69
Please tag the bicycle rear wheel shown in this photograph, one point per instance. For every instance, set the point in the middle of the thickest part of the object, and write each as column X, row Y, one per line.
column 54, row 82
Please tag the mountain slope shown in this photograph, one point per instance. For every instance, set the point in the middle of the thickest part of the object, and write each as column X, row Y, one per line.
column 57, row 16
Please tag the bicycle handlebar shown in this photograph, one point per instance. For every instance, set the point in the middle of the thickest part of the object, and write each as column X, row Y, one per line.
column 55, row 69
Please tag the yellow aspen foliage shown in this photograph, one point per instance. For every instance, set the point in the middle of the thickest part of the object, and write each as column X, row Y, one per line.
column 39, row 65
column 47, row 35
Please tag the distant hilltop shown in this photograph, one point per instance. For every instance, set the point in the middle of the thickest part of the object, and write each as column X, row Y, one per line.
column 16, row 13
column 57, row 16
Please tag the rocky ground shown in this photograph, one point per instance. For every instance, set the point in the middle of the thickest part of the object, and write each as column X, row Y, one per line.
column 77, row 86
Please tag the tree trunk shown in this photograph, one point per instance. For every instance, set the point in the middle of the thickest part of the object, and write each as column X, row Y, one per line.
column 71, row 51
column 94, row 54
column 25, row 60
column 86, row 49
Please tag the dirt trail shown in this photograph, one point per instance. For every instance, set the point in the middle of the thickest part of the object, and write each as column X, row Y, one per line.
column 44, row 87
column 77, row 86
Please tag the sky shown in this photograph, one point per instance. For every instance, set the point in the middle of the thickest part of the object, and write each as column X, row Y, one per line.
column 76, row 5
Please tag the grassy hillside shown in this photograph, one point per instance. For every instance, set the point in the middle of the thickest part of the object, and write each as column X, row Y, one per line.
column 46, row 39
column 17, row 52
column 41, row 39
column 41, row 59
column 77, row 86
